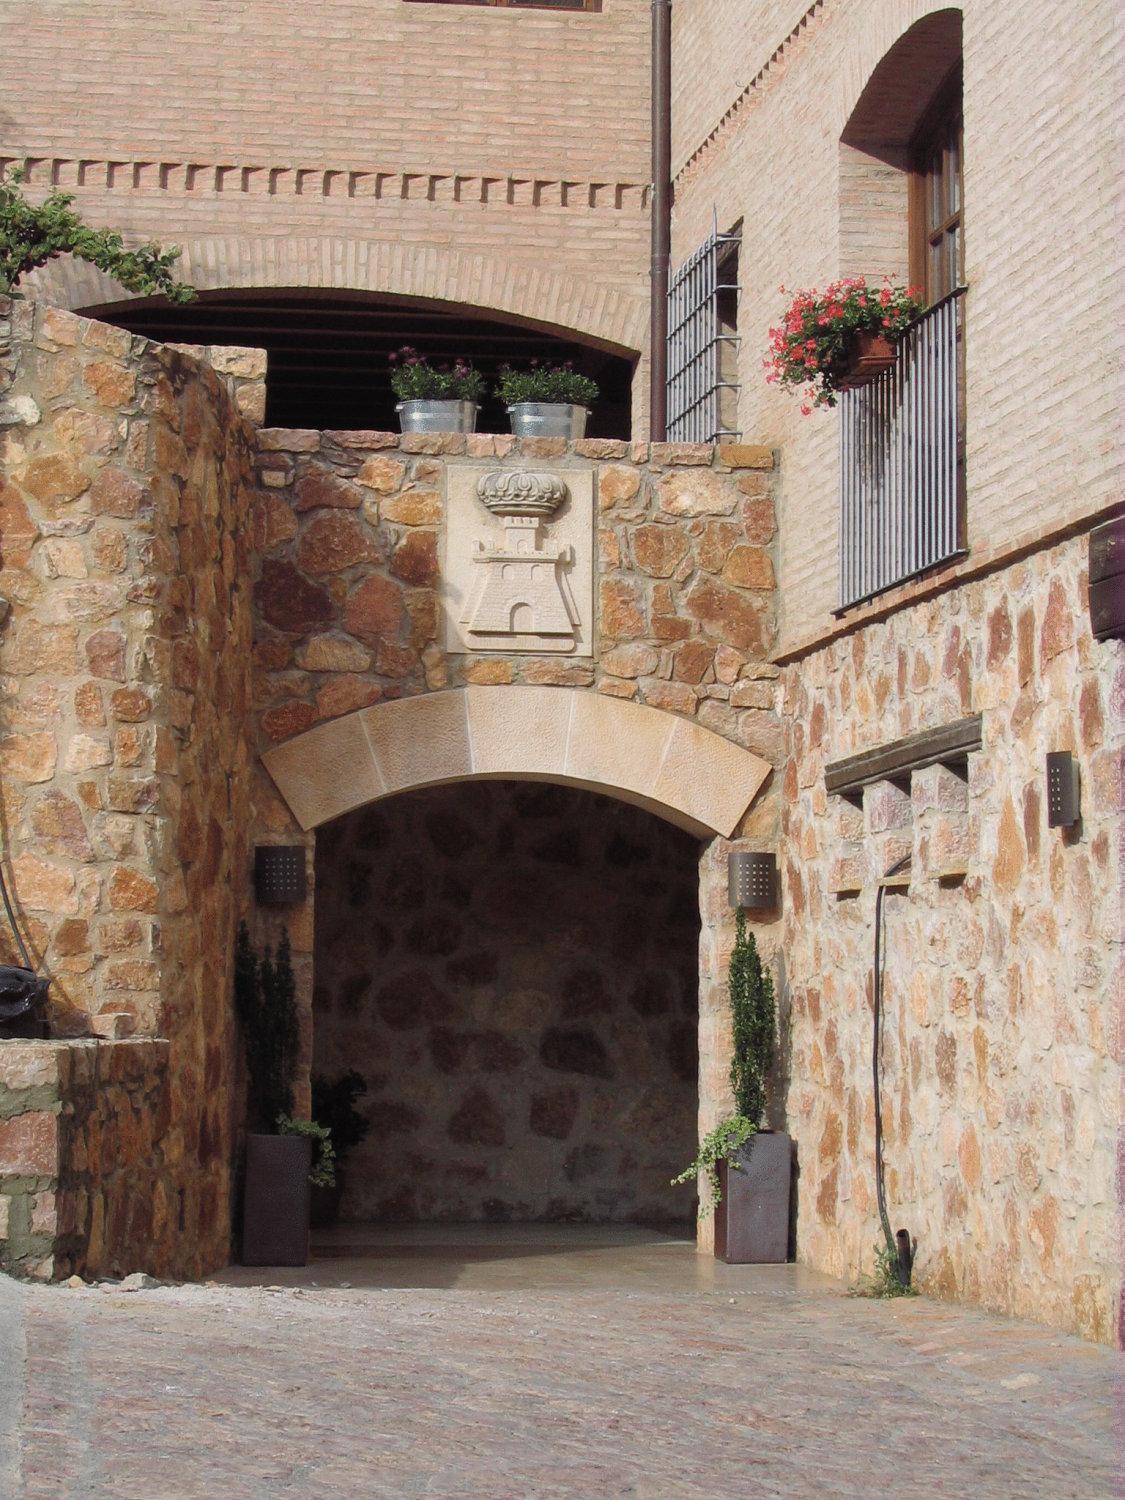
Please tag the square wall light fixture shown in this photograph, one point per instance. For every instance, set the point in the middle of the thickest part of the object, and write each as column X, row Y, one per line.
column 752, row 881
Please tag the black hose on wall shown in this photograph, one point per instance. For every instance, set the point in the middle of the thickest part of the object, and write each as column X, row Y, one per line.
column 898, row 1245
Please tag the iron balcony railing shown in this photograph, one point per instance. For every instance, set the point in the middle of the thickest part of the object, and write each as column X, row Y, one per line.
column 902, row 459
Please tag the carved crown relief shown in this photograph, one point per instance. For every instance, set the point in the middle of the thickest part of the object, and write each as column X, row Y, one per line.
column 519, row 561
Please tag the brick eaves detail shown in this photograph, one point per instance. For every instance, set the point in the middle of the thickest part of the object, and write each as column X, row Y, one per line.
column 209, row 179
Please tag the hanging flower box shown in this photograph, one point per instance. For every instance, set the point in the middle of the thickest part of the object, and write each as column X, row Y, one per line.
column 870, row 356
column 831, row 341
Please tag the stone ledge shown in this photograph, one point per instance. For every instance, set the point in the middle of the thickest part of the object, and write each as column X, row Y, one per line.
column 981, row 561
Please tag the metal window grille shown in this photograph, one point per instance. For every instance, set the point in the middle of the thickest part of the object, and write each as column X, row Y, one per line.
column 696, row 343
column 902, row 460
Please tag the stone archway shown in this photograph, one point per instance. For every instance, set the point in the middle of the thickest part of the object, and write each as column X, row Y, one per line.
column 675, row 768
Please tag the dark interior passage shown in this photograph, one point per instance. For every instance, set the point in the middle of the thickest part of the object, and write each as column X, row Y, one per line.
column 328, row 365
column 513, row 968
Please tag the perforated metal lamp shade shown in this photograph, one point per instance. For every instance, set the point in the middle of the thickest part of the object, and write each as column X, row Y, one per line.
column 752, row 881
column 279, row 874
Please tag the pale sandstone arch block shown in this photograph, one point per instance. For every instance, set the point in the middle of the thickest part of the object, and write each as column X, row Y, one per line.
column 326, row 771
column 618, row 744
column 676, row 769
column 421, row 741
column 521, row 739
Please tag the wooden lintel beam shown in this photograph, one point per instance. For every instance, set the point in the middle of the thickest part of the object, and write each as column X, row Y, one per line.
column 930, row 747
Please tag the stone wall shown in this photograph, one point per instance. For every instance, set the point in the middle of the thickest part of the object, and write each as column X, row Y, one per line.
column 1001, row 1041
column 513, row 967
column 125, row 699
column 86, row 1181
column 347, row 602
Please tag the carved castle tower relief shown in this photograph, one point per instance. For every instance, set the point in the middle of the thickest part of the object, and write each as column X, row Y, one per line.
column 526, row 583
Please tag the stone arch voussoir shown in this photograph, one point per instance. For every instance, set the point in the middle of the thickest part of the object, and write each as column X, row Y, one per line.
column 684, row 773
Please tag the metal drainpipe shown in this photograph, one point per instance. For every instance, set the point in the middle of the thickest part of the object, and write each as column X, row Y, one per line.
column 661, row 216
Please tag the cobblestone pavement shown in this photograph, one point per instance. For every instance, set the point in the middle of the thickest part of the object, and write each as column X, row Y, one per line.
column 753, row 1382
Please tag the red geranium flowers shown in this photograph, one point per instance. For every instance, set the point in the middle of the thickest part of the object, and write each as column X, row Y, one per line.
column 811, row 345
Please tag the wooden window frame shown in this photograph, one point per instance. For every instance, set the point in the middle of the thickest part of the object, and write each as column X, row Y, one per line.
column 573, row 6
column 931, row 132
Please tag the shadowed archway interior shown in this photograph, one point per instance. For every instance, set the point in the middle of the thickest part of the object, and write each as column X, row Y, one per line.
column 328, row 352
column 513, row 968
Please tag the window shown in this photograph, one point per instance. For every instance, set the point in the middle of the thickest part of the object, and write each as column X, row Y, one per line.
column 703, row 343
column 520, row 4
column 902, row 448
column 937, row 238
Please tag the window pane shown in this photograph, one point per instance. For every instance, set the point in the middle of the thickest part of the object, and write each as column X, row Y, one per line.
column 936, row 214
column 954, row 271
column 934, row 275
column 955, row 173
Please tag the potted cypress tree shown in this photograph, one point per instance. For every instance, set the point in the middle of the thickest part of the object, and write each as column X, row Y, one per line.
column 279, row 1163
column 547, row 400
column 748, row 1169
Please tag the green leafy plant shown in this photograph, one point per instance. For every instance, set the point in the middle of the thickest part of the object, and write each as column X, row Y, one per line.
column 413, row 378
column 539, row 382
column 812, row 344
column 721, row 1144
column 32, row 234
column 753, row 1018
column 333, row 1103
column 753, row 1014
column 887, row 1278
column 322, row 1173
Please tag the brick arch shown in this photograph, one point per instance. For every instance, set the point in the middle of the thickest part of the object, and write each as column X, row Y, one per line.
column 886, row 86
column 676, row 769
column 612, row 319
column 886, row 25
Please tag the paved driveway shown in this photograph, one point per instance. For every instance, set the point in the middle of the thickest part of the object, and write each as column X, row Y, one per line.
column 598, row 1374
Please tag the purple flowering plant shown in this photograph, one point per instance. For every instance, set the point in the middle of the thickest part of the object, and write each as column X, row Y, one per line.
column 414, row 378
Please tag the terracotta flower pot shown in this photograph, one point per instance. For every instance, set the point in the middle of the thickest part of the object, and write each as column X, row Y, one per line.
column 871, row 355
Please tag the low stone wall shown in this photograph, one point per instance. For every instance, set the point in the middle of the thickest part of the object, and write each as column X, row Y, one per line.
column 1001, row 1036
column 85, row 1179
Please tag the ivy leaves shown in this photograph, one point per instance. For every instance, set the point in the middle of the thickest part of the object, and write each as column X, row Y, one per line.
column 32, row 234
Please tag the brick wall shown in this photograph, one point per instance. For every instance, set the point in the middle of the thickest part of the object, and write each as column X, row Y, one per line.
column 1039, row 128
column 345, row 147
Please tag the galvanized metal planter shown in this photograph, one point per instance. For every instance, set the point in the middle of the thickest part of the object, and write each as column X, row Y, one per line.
column 437, row 416
column 752, row 1217
column 548, row 419
column 275, row 1201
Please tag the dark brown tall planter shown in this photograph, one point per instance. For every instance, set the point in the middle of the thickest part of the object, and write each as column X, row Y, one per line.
column 275, row 1202
column 752, row 1217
